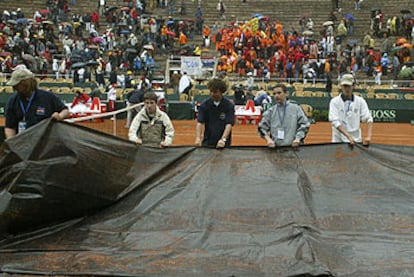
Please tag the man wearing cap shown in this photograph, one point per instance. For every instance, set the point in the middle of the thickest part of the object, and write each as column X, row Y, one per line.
column 30, row 105
column 346, row 111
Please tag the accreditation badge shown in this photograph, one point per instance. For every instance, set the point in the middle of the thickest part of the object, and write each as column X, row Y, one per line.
column 280, row 133
column 22, row 126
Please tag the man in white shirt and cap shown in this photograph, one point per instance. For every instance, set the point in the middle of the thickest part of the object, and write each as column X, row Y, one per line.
column 346, row 112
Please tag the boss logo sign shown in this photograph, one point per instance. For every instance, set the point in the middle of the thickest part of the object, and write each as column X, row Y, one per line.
column 384, row 115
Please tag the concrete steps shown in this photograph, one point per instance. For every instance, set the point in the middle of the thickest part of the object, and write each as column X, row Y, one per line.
column 287, row 11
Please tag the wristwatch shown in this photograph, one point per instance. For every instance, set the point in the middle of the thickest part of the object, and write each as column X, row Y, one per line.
column 223, row 139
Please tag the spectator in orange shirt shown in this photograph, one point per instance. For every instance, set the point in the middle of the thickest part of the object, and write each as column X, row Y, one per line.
column 206, row 36
column 163, row 33
column 377, row 73
column 183, row 39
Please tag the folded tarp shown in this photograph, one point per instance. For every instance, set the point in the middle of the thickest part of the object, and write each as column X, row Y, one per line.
column 77, row 202
column 54, row 172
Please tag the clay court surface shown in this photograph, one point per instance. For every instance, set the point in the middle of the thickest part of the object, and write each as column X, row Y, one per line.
column 383, row 133
column 246, row 135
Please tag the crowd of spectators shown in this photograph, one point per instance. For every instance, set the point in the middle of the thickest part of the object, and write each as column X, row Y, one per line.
column 260, row 47
column 54, row 41
column 57, row 43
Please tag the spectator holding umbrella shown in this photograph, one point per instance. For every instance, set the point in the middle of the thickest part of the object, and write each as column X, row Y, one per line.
column 349, row 21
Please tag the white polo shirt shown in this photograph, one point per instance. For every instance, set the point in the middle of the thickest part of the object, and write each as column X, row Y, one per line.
column 348, row 114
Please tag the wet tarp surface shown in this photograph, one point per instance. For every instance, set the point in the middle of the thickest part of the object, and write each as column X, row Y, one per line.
column 77, row 202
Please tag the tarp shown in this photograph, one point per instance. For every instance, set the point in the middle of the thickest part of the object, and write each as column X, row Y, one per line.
column 108, row 207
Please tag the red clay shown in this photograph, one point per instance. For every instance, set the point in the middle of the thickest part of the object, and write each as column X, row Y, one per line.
column 246, row 135
column 383, row 133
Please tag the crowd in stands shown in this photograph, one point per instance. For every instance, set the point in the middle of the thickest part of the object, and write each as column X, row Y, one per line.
column 261, row 46
column 55, row 41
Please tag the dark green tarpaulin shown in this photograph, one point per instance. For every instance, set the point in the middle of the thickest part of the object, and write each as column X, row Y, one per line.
column 77, row 202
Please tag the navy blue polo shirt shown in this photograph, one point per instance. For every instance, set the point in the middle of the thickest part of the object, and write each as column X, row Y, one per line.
column 43, row 105
column 215, row 119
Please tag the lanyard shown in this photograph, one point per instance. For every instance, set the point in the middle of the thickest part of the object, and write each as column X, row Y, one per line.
column 281, row 118
column 24, row 111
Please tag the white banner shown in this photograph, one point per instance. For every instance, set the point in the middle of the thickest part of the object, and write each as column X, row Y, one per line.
column 191, row 65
